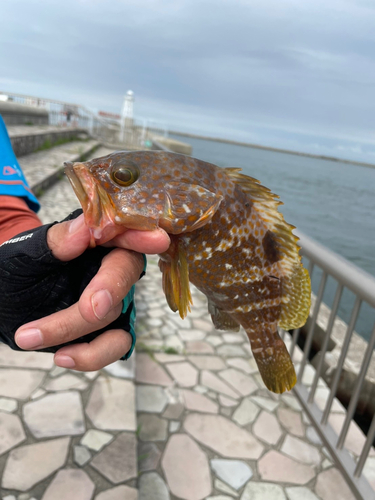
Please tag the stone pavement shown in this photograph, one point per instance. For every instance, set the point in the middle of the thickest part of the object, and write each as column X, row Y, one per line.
column 187, row 417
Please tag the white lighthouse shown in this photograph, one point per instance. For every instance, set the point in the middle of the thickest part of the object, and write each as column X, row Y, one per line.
column 126, row 132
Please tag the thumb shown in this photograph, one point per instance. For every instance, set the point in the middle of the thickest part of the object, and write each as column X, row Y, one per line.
column 67, row 240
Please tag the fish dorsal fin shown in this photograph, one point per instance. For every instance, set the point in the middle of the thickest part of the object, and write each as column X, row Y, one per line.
column 187, row 207
column 296, row 287
column 175, row 268
column 221, row 319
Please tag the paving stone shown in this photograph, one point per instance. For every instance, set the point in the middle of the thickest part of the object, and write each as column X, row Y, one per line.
column 152, row 428
column 66, row 382
column 213, row 382
column 221, row 486
column 183, row 373
column 149, row 372
column 207, row 362
column 246, row 365
column 174, row 411
column 331, row 484
column 163, row 357
column 242, row 383
column 38, row 394
column 199, row 347
column 152, row 486
column 228, row 402
column 25, row 359
column 74, row 484
column 300, row 493
column 118, row 461
column 267, row 428
column 201, row 389
column 29, row 464
column 223, row 436
column 219, row 497
column 181, row 323
column 233, row 472
column 19, row 384
column 227, row 350
column 355, row 438
column 174, row 426
column 265, row 403
column 11, row 432
column 187, row 473
column 278, row 468
column 291, row 401
column 198, row 402
column 8, row 405
column 57, row 371
column 122, row 369
column 191, row 335
column 301, row 451
column 233, row 338
column 10, row 497
column 148, row 456
column 262, row 491
column 292, row 421
column 96, row 440
column 91, row 375
column 369, row 471
column 175, row 343
column 203, row 324
column 327, row 463
column 121, row 492
column 214, row 340
column 151, row 398
column 246, row 413
column 111, row 405
column 81, row 455
column 313, row 436
column 154, row 321
column 55, row 415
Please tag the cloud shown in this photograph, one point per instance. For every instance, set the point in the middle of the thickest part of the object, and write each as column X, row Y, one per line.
column 281, row 73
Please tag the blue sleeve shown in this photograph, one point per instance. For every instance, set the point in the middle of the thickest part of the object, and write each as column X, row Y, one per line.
column 12, row 180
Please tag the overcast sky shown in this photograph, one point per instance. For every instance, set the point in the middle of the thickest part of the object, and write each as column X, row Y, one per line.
column 297, row 74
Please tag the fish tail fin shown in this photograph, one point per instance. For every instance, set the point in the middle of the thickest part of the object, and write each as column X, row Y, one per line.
column 274, row 363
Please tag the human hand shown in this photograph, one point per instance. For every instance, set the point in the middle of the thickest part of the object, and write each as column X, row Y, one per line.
column 73, row 291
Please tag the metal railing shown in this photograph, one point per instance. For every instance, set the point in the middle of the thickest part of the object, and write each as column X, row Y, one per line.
column 362, row 285
column 64, row 114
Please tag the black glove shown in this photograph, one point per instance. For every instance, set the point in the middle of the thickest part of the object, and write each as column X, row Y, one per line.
column 34, row 284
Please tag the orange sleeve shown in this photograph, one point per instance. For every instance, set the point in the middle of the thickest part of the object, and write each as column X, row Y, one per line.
column 15, row 217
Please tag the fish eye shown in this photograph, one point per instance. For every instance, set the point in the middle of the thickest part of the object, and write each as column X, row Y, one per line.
column 125, row 175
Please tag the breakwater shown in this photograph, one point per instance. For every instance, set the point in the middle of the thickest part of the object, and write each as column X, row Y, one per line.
column 269, row 148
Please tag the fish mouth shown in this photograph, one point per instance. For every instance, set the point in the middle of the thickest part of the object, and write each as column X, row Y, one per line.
column 96, row 204
column 76, row 184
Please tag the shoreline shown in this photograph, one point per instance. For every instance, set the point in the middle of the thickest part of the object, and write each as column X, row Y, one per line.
column 269, row 148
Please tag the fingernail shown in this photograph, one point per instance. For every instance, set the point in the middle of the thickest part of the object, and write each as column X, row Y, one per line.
column 29, row 339
column 102, row 303
column 64, row 361
column 76, row 224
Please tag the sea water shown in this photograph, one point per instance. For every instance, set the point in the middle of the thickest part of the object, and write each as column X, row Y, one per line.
column 330, row 201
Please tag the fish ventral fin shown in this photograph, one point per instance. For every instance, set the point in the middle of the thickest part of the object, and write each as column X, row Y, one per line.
column 187, row 207
column 275, row 366
column 296, row 286
column 175, row 268
column 221, row 319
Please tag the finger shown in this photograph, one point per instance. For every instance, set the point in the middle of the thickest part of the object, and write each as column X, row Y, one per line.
column 69, row 239
column 60, row 327
column 156, row 241
column 109, row 347
column 119, row 271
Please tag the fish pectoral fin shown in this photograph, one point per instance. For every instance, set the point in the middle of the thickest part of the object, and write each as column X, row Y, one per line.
column 187, row 207
column 275, row 365
column 221, row 319
column 176, row 280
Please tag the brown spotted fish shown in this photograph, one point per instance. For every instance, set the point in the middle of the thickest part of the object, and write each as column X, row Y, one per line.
column 227, row 238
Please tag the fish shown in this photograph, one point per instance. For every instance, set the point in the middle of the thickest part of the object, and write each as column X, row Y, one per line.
column 227, row 235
